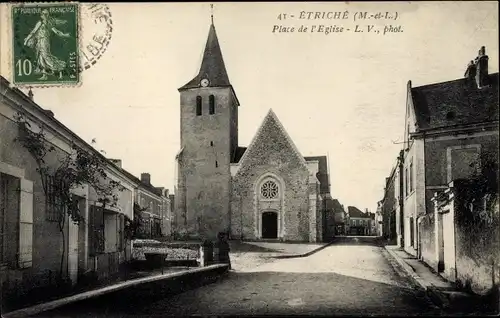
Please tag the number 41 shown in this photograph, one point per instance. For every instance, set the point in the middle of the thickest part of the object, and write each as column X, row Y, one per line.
column 282, row 16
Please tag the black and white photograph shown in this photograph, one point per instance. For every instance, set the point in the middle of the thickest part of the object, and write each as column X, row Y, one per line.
column 249, row 159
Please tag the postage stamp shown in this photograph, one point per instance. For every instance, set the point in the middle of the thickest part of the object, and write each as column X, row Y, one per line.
column 45, row 44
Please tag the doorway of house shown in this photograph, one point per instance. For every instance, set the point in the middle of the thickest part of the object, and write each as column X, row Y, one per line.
column 270, row 225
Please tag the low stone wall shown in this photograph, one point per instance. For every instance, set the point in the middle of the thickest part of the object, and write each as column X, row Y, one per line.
column 140, row 290
column 156, row 288
column 174, row 250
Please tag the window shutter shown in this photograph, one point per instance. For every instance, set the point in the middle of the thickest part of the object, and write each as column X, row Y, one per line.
column 122, row 226
column 100, row 234
column 91, row 222
column 118, row 230
column 26, row 224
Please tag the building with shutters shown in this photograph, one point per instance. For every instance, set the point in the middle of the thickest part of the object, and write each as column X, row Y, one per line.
column 341, row 218
column 360, row 223
column 31, row 244
column 389, row 205
column 451, row 133
column 154, row 203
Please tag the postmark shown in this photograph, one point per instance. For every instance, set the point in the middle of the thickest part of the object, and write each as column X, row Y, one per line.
column 96, row 33
column 45, row 44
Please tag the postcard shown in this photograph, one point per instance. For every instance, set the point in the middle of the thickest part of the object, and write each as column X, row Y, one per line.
column 246, row 159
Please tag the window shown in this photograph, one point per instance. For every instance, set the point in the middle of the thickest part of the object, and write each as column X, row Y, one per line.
column 211, row 100
column 3, row 209
column 211, row 144
column 412, row 231
column 16, row 221
column 53, row 204
column 121, row 232
column 96, row 231
column 216, row 164
column 157, row 228
column 9, row 210
column 411, row 176
column 111, row 228
column 198, row 105
column 269, row 190
column 406, row 182
column 396, row 187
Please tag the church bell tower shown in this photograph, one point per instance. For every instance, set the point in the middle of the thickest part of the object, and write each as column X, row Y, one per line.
column 209, row 139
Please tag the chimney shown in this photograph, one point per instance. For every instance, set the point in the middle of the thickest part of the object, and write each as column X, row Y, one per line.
column 482, row 68
column 49, row 112
column 161, row 190
column 117, row 162
column 471, row 70
column 146, row 178
column 30, row 94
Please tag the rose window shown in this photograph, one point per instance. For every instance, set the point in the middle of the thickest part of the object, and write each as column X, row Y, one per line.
column 269, row 190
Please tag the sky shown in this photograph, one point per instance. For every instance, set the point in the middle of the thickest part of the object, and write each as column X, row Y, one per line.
column 341, row 94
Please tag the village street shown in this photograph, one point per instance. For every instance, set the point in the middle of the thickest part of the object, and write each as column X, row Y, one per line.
column 353, row 276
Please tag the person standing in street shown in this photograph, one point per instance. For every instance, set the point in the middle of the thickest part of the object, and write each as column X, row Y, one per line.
column 224, row 249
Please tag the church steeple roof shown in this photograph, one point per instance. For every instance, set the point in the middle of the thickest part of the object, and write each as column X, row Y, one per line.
column 212, row 65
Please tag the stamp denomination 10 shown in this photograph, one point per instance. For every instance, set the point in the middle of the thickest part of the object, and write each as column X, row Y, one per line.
column 45, row 44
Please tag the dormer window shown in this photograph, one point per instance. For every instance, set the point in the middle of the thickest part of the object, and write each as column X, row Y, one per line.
column 198, row 105
column 211, row 101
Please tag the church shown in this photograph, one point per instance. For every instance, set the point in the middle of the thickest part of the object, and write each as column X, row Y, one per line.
column 266, row 191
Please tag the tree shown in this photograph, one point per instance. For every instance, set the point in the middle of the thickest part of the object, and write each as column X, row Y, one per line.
column 73, row 170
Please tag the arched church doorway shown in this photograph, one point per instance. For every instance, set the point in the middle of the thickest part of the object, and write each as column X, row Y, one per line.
column 270, row 225
column 268, row 209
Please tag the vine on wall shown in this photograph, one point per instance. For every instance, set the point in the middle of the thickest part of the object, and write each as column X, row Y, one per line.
column 71, row 171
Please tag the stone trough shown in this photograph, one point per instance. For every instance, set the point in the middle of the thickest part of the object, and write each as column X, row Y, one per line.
column 168, row 253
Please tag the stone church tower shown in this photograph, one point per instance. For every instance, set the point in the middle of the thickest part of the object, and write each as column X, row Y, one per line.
column 209, row 141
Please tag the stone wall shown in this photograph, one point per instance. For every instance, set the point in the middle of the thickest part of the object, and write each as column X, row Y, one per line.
column 427, row 239
column 204, row 175
column 436, row 155
column 477, row 230
column 271, row 154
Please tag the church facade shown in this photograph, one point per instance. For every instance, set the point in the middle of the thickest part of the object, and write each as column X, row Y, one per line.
column 267, row 190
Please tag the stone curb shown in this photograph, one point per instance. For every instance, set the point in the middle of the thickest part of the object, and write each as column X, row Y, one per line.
column 302, row 255
column 437, row 298
column 29, row 311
